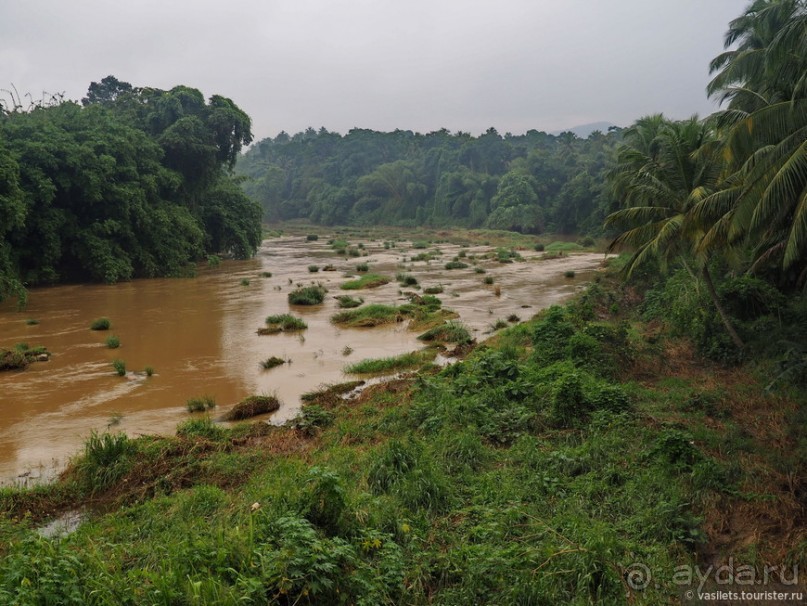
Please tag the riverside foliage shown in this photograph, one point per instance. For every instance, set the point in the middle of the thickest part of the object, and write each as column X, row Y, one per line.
column 131, row 182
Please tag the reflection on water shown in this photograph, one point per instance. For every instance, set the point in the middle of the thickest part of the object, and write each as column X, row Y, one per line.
column 200, row 336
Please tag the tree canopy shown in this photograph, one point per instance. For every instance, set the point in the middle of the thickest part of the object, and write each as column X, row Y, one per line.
column 133, row 182
column 530, row 183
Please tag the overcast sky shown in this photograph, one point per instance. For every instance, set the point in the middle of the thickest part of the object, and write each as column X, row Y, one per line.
column 417, row 65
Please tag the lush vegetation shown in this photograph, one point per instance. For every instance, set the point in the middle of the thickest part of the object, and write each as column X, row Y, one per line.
column 131, row 182
column 391, row 364
column 655, row 421
column 529, row 183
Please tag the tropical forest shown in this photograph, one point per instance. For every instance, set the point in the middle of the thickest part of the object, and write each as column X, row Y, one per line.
column 402, row 368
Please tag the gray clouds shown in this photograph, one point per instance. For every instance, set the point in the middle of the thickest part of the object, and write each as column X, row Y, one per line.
column 382, row 64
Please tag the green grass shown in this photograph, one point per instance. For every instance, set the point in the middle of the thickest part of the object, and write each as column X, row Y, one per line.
column 362, row 268
column 450, row 332
column 348, row 302
column 433, row 290
column 524, row 474
column 149, row 371
column 286, row 322
column 367, row 316
column 100, row 324
column 112, row 342
column 563, row 247
column 391, row 364
column 366, row 281
column 308, row 295
column 200, row 403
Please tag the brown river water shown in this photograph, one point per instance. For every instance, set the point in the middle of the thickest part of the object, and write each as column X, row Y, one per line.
column 199, row 334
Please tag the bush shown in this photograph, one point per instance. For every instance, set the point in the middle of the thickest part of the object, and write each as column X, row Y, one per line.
column 539, row 247
column 362, row 268
column 312, row 238
column 272, row 362
column 569, row 274
column 308, row 295
column 369, row 315
column 313, row 269
column 112, row 342
column 456, row 265
column 433, row 290
column 312, row 419
column 323, row 501
column 569, row 406
column 100, row 324
column 406, row 280
column 120, row 367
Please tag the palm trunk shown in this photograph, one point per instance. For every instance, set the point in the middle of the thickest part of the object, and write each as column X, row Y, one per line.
column 720, row 311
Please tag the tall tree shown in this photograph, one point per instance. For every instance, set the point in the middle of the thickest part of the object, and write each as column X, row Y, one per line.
column 663, row 170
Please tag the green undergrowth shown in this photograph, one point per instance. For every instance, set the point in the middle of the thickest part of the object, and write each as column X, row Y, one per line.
column 533, row 472
column 392, row 364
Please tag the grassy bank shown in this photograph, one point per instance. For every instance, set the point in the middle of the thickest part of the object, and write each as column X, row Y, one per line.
column 542, row 469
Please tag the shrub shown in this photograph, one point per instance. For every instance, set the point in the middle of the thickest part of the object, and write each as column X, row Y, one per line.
column 406, row 280
column 31, row 322
column 312, row 238
column 539, row 247
column 120, row 367
column 308, row 295
column 266, row 274
column 433, row 290
column 420, row 244
column 323, row 500
column 569, row 406
column 362, row 268
column 456, row 265
column 100, row 324
column 213, row 260
column 244, row 282
column 313, row 269
column 569, row 274
column 272, row 362
column 112, row 342
column 488, row 280
column 149, row 371
column 200, row 403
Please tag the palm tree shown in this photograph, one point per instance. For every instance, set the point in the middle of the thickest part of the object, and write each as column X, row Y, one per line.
column 663, row 170
column 764, row 203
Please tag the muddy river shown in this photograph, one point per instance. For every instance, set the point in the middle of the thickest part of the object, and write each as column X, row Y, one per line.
column 199, row 336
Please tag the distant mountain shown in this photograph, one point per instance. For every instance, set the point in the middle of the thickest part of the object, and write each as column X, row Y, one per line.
column 584, row 130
